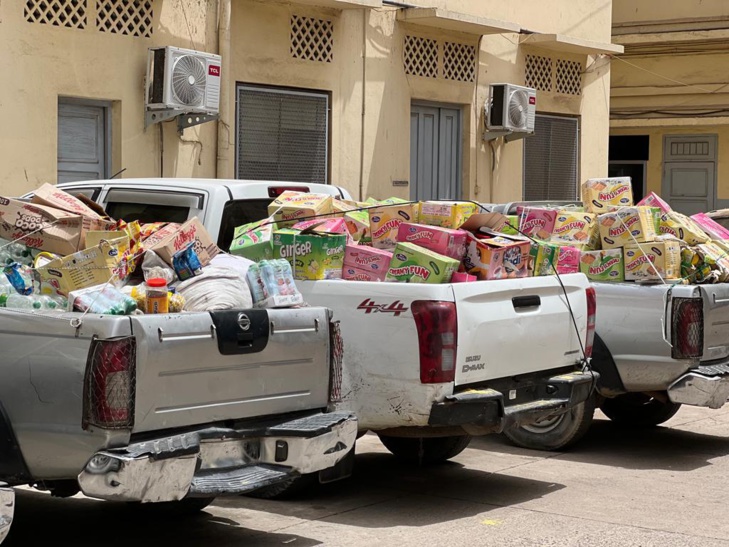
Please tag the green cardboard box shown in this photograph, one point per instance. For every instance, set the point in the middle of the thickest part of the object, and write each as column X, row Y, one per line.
column 312, row 255
column 254, row 241
column 414, row 264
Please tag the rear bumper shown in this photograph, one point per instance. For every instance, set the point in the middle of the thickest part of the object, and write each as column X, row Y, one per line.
column 706, row 386
column 219, row 461
column 7, row 509
column 516, row 404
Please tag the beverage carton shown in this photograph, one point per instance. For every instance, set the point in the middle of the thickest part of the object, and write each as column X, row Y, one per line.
column 576, row 228
column 712, row 228
column 40, row 227
column 311, row 255
column 414, row 264
column 290, row 207
column 654, row 200
column 172, row 239
column 550, row 257
column 602, row 195
column 358, row 224
column 367, row 258
column 385, row 222
column 444, row 241
column 536, row 221
column 356, row 274
column 682, row 227
column 627, row 225
column 653, row 261
column 446, row 214
column 607, row 265
column 254, row 241
column 497, row 257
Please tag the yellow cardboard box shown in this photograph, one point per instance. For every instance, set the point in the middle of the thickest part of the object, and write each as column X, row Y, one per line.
column 627, row 225
column 653, row 261
column 602, row 195
column 577, row 228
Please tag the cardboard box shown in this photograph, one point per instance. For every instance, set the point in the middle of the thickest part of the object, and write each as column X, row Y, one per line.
column 40, row 227
column 653, row 261
column 536, row 222
column 311, row 255
column 385, row 222
column 446, row 214
column 607, row 265
column 52, row 196
column 654, row 200
column 682, row 227
column 170, row 240
column 627, row 225
column 718, row 254
column 322, row 225
column 510, row 228
column 602, row 195
column 550, row 256
column 254, row 241
column 358, row 224
column 339, row 206
column 444, row 241
column 291, row 207
column 576, row 228
column 497, row 258
column 414, row 264
column 712, row 228
column 367, row 258
column 356, row 274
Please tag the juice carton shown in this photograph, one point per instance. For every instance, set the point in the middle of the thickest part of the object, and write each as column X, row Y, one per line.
column 385, row 222
column 603, row 195
column 413, row 264
column 653, row 261
column 712, row 228
column 576, row 227
column 536, row 221
column 497, row 258
column 627, row 225
column 565, row 259
column 607, row 265
column 444, row 241
column 654, row 200
column 682, row 227
column 311, row 255
column 254, row 241
column 446, row 214
column 291, row 206
column 367, row 258
column 356, row 274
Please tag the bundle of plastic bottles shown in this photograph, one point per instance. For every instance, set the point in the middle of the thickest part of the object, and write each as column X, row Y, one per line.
column 271, row 279
column 11, row 298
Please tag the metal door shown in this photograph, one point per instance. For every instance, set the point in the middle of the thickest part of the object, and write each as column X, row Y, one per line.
column 689, row 173
column 435, row 153
column 82, row 141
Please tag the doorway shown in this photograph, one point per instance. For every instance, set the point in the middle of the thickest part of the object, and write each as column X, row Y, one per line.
column 689, row 173
column 83, row 140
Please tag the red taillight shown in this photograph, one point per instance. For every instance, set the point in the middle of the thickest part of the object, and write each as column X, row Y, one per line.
column 687, row 328
column 437, row 325
column 591, row 313
column 110, row 383
column 275, row 191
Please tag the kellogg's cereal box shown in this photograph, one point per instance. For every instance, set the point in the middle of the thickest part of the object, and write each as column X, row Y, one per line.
column 446, row 214
column 536, row 221
column 444, row 241
column 497, row 258
column 291, row 207
column 682, row 227
column 627, row 225
column 170, row 240
column 362, row 257
column 385, row 222
column 311, row 255
column 607, row 265
column 575, row 227
column 602, row 195
column 414, row 264
column 653, row 261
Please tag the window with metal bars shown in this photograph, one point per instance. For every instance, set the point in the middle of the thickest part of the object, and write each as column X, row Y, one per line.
column 282, row 134
column 551, row 160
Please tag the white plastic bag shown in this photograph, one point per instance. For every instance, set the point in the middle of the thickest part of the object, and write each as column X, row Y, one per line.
column 154, row 266
column 217, row 288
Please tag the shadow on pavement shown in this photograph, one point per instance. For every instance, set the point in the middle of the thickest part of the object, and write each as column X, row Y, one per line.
column 43, row 520
column 650, row 448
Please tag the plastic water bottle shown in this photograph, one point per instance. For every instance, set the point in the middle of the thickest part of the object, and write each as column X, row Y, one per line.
column 258, row 290
column 268, row 273
column 21, row 302
column 288, row 277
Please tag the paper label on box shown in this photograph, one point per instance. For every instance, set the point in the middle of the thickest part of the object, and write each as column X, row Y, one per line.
column 446, row 214
column 600, row 195
column 653, row 261
column 312, row 256
column 575, row 227
column 606, row 265
column 413, row 264
column 627, row 225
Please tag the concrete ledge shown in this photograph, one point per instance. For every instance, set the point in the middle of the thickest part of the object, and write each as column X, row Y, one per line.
column 340, row 4
column 455, row 21
column 569, row 44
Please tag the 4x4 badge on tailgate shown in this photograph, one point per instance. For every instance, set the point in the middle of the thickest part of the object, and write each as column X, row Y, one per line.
column 395, row 308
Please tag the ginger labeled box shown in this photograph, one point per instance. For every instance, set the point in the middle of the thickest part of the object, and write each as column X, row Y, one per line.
column 311, row 255
column 653, row 261
column 627, row 225
column 602, row 195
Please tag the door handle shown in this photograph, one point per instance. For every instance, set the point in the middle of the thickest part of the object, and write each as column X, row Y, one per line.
column 531, row 301
column 186, row 335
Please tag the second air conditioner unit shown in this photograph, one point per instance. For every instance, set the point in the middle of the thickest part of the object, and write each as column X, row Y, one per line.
column 511, row 109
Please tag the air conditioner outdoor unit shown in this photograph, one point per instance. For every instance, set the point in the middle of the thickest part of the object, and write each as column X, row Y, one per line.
column 511, row 109
column 182, row 80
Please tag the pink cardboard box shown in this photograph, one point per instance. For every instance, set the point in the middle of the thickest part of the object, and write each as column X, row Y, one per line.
column 444, row 241
column 462, row 277
column 654, row 200
column 536, row 221
column 357, row 274
column 361, row 257
column 711, row 227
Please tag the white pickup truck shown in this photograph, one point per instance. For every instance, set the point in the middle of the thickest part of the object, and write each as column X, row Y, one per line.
column 656, row 347
column 425, row 366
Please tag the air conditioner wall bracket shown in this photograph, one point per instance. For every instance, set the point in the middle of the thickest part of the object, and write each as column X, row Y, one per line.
column 184, row 119
column 508, row 135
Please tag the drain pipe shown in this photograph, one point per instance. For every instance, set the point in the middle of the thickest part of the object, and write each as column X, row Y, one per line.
column 364, row 103
column 223, row 159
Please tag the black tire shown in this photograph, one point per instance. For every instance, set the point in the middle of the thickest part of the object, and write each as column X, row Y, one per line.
column 556, row 433
column 428, row 450
column 638, row 410
column 288, row 489
column 187, row 507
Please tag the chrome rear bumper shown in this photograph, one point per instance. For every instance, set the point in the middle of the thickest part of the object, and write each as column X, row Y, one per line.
column 706, row 386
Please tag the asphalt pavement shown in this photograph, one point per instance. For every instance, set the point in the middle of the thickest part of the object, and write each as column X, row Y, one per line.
column 665, row 486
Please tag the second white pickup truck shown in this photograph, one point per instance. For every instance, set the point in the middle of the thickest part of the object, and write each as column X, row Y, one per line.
column 425, row 366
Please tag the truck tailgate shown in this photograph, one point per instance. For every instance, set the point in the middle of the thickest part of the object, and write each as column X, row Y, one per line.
column 517, row 326
column 210, row 367
column 716, row 321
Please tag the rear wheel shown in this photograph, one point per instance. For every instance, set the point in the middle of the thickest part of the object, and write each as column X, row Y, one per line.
column 556, row 432
column 638, row 410
column 426, row 449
